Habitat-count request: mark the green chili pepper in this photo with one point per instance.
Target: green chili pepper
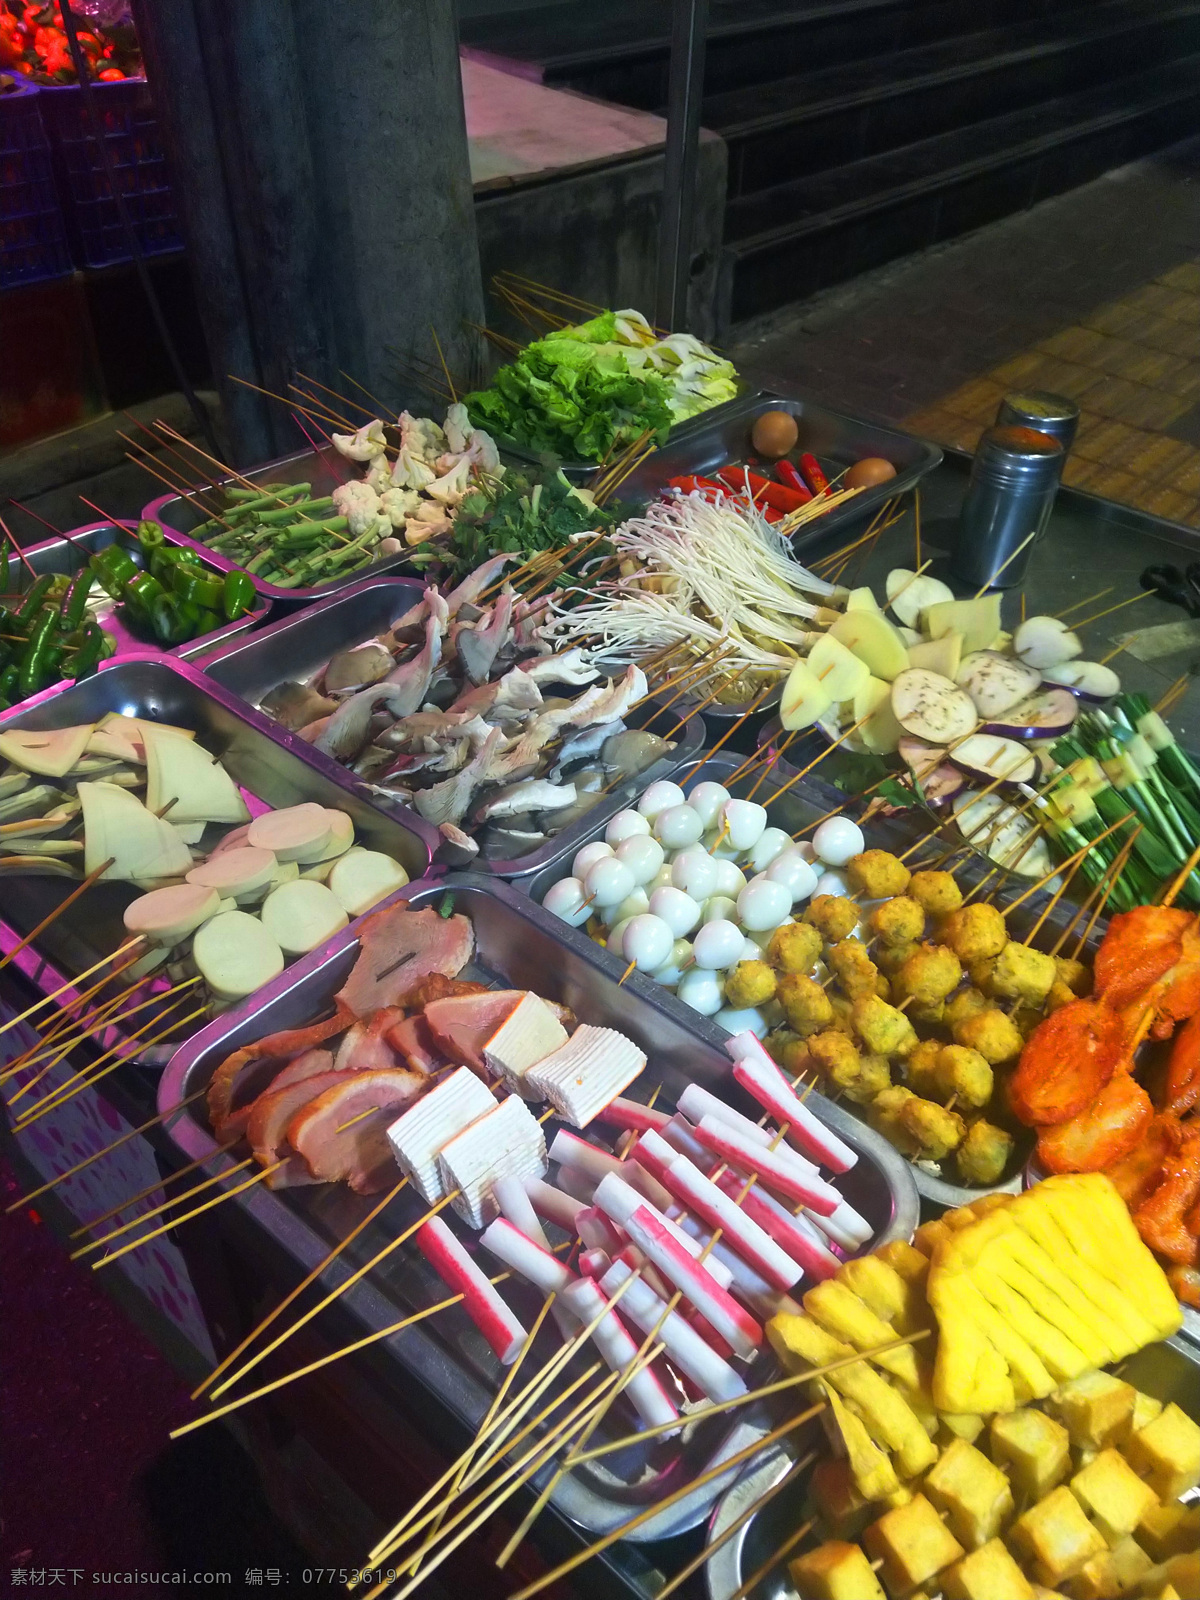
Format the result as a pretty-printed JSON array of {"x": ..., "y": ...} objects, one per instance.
[
  {"x": 75, "y": 605},
  {"x": 87, "y": 658},
  {"x": 33, "y": 665},
  {"x": 141, "y": 592},
  {"x": 209, "y": 622},
  {"x": 34, "y": 600},
  {"x": 166, "y": 615},
  {"x": 163, "y": 562},
  {"x": 197, "y": 587},
  {"x": 114, "y": 567},
  {"x": 237, "y": 595},
  {"x": 150, "y": 535}
]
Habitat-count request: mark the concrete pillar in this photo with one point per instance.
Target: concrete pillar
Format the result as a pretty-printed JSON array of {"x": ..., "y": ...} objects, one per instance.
[{"x": 321, "y": 152}]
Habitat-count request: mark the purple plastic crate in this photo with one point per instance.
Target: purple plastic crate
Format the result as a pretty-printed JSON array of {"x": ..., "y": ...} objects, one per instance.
[
  {"x": 139, "y": 162},
  {"x": 33, "y": 238}
]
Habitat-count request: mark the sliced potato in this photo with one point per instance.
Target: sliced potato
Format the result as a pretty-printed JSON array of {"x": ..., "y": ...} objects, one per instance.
[
  {"x": 932, "y": 707},
  {"x": 293, "y": 832},
  {"x": 362, "y": 878},
  {"x": 302, "y": 915},
  {"x": 841, "y": 672},
  {"x": 942, "y": 655},
  {"x": 165, "y": 916},
  {"x": 235, "y": 872},
  {"x": 909, "y": 594},
  {"x": 873, "y": 639},
  {"x": 804, "y": 700},
  {"x": 862, "y": 599},
  {"x": 52, "y": 752},
  {"x": 881, "y": 733},
  {"x": 236, "y": 955},
  {"x": 182, "y": 771},
  {"x": 977, "y": 620}
]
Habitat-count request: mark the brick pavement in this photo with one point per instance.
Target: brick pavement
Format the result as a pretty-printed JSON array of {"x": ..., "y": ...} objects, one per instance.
[{"x": 1095, "y": 294}]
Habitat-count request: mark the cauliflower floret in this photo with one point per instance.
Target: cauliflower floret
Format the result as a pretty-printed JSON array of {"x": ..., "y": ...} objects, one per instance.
[
  {"x": 379, "y": 474},
  {"x": 363, "y": 445},
  {"x": 420, "y": 436},
  {"x": 481, "y": 448},
  {"x": 398, "y": 505},
  {"x": 457, "y": 427},
  {"x": 427, "y": 522},
  {"x": 358, "y": 503},
  {"x": 410, "y": 472},
  {"x": 450, "y": 489}
]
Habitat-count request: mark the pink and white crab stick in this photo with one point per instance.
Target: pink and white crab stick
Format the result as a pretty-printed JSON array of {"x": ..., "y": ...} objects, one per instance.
[
  {"x": 684, "y": 1346},
  {"x": 630, "y": 1116},
  {"x": 483, "y": 1305},
  {"x": 653, "y": 1236},
  {"x": 732, "y": 1145},
  {"x": 650, "y": 1400},
  {"x": 758, "y": 1075}
]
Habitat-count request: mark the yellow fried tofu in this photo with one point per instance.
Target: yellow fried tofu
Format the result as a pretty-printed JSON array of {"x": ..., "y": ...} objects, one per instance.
[
  {"x": 1056, "y": 1537},
  {"x": 1035, "y": 1449},
  {"x": 931, "y": 1234},
  {"x": 914, "y": 1545},
  {"x": 1166, "y": 1453},
  {"x": 897, "y": 1300},
  {"x": 1145, "y": 1409},
  {"x": 953, "y": 1425},
  {"x": 1061, "y": 1356},
  {"x": 1113, "y": 1495},
  {"x": 1170, "y": 1529},
  {"x": 840, "y": 1312},
  {"x": 972, "y": 1492},
  {"x": 1181, "y": 1573},
  {"x": 872, "y": 1467},
  {"x": 1024, "y": 1264},
  {"x": 835, "y": 1497},
  {"x": 1096, "y": 1409},
  {"x": 1116, "y": 1573},
  {"x": 988, "y": 1573},
  {"x": 911, "y": 1263},
  {"x": 835, "y": 1571}
]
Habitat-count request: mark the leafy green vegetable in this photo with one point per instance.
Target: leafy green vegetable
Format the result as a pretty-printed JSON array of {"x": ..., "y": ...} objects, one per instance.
[
  {"x": 901, "y": 792},
  {"x": 853, "y": 773}
]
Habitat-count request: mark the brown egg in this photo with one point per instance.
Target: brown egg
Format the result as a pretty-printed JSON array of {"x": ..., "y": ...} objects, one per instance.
[
  {"x": 774, "y": 434},
  {"x": 869, "y": 471}
]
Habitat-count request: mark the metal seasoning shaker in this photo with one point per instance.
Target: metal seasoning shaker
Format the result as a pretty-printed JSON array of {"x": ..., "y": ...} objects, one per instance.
[
  {"x": 1014, "y": 479},
  {"x": 1047, "y": 413}
]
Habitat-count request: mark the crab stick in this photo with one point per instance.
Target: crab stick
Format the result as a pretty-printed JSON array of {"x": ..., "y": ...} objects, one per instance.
[
  {"x": 789, "y": 1232},
  {"x": 553, "y": 1205},
  {"x": 654, "y": 1237},
  {"x": 631, "y": 1116},
  {"x": 701, "y": 1104},
  {"x": 685, "y": 1348},
  {"x": 578, "y": 1184},
  {"x": 635, "y": 1260},
  {"x": 681, "y": 1135},
  {"x": 594, "y": 1263},
  {"x": 845, "y": 1227},
  {"x": 483, "y": 1305},
  {"x": 650, "y": 1400},
  {"x": 705, "y": 1199},
  {"x": 618, "y": 1202},
  {"x": 759, "y": 1076},
  {"x": 544, "y": 1270},
  {"x": 510, "y": 1195},
  {"x": 569, "y": 1150},
  {"x": 733, "y": 1146},
  {"x": 597, "y": 1232}
]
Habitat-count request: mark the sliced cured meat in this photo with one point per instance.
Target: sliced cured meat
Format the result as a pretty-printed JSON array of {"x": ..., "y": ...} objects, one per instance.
[
  {"x": 399, "y": 947},
  {"x": 437, "y": 986},
  {"x": 306, "y": 1065},
  {"x": 267, "y": 1127},
  {"x": 415, "y": 1044},
  {"x": 342, "y": 1134},
  {"x": 462, "y": 1026},
  {"x": 365, "y": 1047},
  {"x": 242, "y": 1076}
]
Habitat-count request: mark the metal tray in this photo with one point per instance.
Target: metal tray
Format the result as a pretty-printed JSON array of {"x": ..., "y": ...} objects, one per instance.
[
  {"x": 299, "y": 644},
  {"x": 1168, "y": 1371},
  {"x": 523, "y": 946},
  {"x": 64, "y": 555},
  {"x": 179, "y": 514},
  {"x": 723, "y": 435},
  {"x": 158, "y": 687}
]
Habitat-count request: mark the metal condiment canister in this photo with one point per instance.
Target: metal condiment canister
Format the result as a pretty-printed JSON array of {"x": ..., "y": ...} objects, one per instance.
[
  {"x": 1014, "y": 479},
  {"x": 1038, "y": 408}
]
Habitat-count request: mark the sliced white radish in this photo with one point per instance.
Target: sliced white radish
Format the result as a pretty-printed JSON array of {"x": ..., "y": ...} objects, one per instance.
[
  {"x": 293, "y": 832},
  {"x": 977, "y": 620},
  {"x": 838, "y": 669},
  {"x": 118, "y": 826},
  {"x": 1043, "y": 642},
  {"x": 990, "y": 757},
  {"x": 299, "y": 916},
  {"x": 236, "y": 955},
  {"x": 184, "y": 774},
  {"x": 804, "y": 700},
  {"x": 932, "y": 707},
  {"x": 995, "y": 682},
  {"x": 1046, "y": 715},
  {"x": 362, "y": 878},
  {"x": 910, "y": 595},
  {"x": 165, "y": 916},
  {"x": 873, "y": 639},
  {"x": 1091, "y": 679},
  {"x": 52, "y": 752},
  {"x": 942, "y": 655},
  {"x": 862, "y": 599},
  {"x": 880, "y": 733},
  {"x": 235, "y": 872}
]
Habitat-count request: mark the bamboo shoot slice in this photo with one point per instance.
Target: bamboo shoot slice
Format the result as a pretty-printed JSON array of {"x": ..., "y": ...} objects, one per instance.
[
  {"x": 362, "y": 878},
  {"x": 116, "y": 743},
  {"x": 117, "y": 824},
  {"x": 302, "y": 915},
  {"x": 182, "y": 771},
  {"x": 52, "y": 752},
  {"x": 293, "y": 832},
  {"x": 235, "y": 872},
  {"x": 880, "y": 733},
  {"x": 133, "y": 727},
  {"x": 943, "y": 656},
  {"x": 165, "y": 916},
  {"x": 977, "y": 620},
  {"x": 236, "y": 955}
]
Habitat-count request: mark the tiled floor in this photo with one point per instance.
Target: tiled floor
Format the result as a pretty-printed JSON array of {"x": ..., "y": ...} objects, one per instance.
[{"x": 1095, "y": 295}]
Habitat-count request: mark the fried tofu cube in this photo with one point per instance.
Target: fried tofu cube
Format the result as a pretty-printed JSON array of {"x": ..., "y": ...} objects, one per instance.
[
  {"x": 844, "y": 1513},
  {"x": 835, "y": 1571},
  {"x": 910, "y": 1263},
  {"x": 1116, "y": 1573},
  {"x": 1169, "y": 1530},
  {"x": 1166, "y": 1452},
  {"x": 1113, "y": 1495},
  {"x": 931, "y": 1234},
  {"x": 1034, "y": 1448},
  {"x": 872, "y": 1467},
  {"x": 898, "y": 1300},
  {"x": 988, "y": 1573},
  {"x": 913, "y": 1544},
  {"x": 1180, "y": 1573},
  {"x": 1096, "y": 1408},
  {"x": 1145, "y": 1409},
  {"x": 953, "y": 1425},
  {"x": 972, "y": 1492},
  {"x": 1056, "y": 1537}
]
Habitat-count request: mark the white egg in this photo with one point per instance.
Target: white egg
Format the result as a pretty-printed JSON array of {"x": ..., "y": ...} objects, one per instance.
[
  {"x": 796, "y": 875},
  {"x": 804, "y": 848},
  {"x": 707, "y": 799},
  {"x": 701, "y": 989},
  {"x": 724, "y": 850},
  {"x": 678, "y": 910},
  {"x": 836, "y": 840},
  {"x": 695, "y": 872},
  {"x": 718, "y": 944},
  {"x": 677, "y": 827},
  {"x": 741, "y": 1021},
  {"x": 648, "y": 941},
  {"x": 751, "y": 951},
  {"x": 731, "y": 879},
  {"x": 676, "y": 964},
  {"x": 832, "y": 883},
  {"x": 658, "y": 797},
  {"x": 763, "y": 936},
  {"x": 642, "y": 855},
  {"x": 719, "y": 908},
  {"x": 615, "y": 940},
  {"x": 564, "y": 900},
  {"x": 625, "y": 825},
  {"x": 633, "y": 905},
  {"x": 772, "y": 842},
  {"x": 587, "y": 858},
  {"x": 609, "y": 881},
  {"x": 662, "y": 879},
  {"x": 745, "y": 820},
  {"x": 762, "y": 905}
]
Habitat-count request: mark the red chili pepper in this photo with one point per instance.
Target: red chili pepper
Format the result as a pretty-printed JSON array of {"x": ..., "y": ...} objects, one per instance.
[
  {"x": 776, "y": 495},
  {"x": 813, "y": 475},
  {"x": 787, "y": 473}
]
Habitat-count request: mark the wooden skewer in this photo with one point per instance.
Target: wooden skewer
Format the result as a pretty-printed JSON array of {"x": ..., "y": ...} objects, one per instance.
[
  {"x": 736, "y": 1526},
  {"x": 151, "y": 1188},
  {"x": 185, "y": 494},
  {"x": 697, "y": 708},
  {"x": 62, "y": 989},
  {"x": 769, "y": 766},
  {"x": 1099, "y": 595},
  {"x": 785, "y": 1549},
  {"x": 147, "y": 1216},
  {"x": 188, "y": 466},
  {"x": 626, "y": 973},
  {"x": 1120, "y": 605},
  {"x": 326, "y": 409},
  {"x": 1176, "y": 688},
  {"x": 57, "y": 912},
  {"x": 1062, "y": 866},
  {"x": 1181, "y": 878},
  {"x": 337, "y": 395},
  {"x": 228, "y": 471},
  {"x": 12, "y": 539},
  {"x": 1022, "y": 605},
  {"x": 1116, "y": 650},
  {"x": 177, "y": 1222},
  {"x": 816, "y": 761},
  {"x": 908, "y": 582},
  {"x": 1108, "y": 883},
  {"x": 1007, "y": 562},
  {"x": 742, "y": 720}
]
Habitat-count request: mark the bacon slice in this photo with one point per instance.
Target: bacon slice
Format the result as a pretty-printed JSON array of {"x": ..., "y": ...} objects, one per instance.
[
  {"x": 437, "y": 986},
  {"x": 413, "y": 1041},
  {"x": 366, "y": 1047},
  {"x": 268, "y": 1125},
  {"x": 462, "y": 1025},
  {"x": 241, "y": 1077},
  {"x": 399, "y": 947},
  {"x": 358, "y": 1153}
]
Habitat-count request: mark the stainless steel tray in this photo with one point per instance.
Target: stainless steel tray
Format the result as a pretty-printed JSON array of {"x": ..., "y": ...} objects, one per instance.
[
  {"x": 837, "y": 441},
  {"x": 1168, "y": 1371},
  {"x": 64, "y": 554},
  {"x": 523, "y": 946},
  {"x": 297, "y": 645},
  {"x": 179, "y": 514},
  {"x": 158, "y": 687}
]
